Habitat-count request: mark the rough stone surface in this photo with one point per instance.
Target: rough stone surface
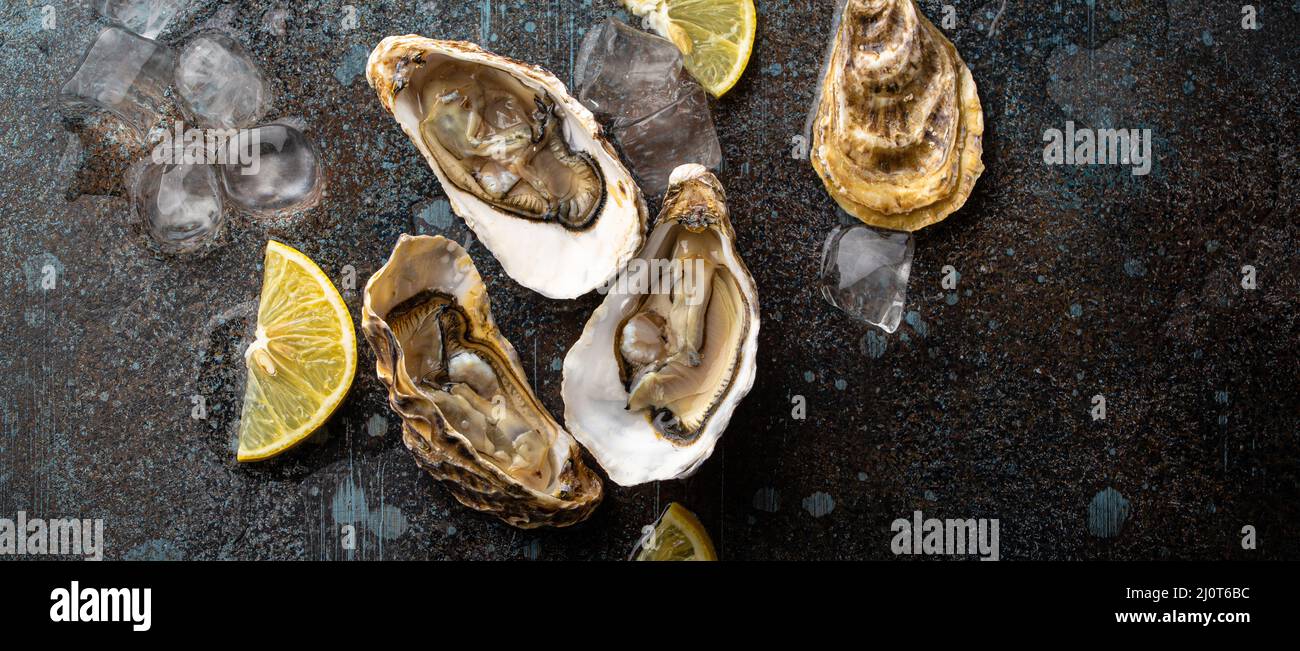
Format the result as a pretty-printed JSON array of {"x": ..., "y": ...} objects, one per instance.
[{"x": 1074, "y": 282}]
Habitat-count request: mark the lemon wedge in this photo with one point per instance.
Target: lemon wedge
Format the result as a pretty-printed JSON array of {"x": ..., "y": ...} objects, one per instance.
[
  {"x": 715, "y": 36},
  {"x": 303, "y": 360},
  {"x": 678, "y": 536}
]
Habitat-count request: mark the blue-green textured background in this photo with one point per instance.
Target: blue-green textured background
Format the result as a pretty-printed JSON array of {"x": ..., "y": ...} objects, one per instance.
[{"x": 1075, "y": 281}]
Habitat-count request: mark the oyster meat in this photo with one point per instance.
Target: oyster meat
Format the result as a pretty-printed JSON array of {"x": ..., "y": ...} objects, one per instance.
[
  {"x": 468, "y": 414},
  {"x": 898, "y": 129},
  {"x": 663, "y": 362},
  {"x": 523, "y": 162}
]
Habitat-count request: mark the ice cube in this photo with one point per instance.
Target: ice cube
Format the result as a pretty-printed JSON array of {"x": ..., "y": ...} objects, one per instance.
[
  {"x": 219, "y": 84},
  {"x": 625, "y": 74},
  {"x": 864, "y": 273},
  {"x": 634, "y": 82},
  {"x": 278, "y": 171},
  {"x": 680, "y": 133},
  {"x": 126, "y": 75},
  {"x": 148, "y": 18},
  {"x": 180, "y": 205}
]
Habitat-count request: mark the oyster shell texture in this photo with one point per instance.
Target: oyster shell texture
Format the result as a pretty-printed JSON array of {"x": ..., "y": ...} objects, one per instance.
[
  {"x": 521, "y": 161},
  {"x": 897, "y": 134},
  {"x": 468, "y": 414},
  {"x": 663, "y": 362}
]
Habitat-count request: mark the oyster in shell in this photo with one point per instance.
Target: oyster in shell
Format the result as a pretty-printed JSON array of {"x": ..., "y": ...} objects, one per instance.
[
  {"x": 663, "y": 362},
  {"x": 897, "y": 133},
  {"x": 468, "y": 413},
  {"x": 523, "y": 162}
]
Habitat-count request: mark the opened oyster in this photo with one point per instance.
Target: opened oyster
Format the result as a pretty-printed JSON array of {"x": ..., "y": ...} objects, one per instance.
[
  {"x": 897, "y": 134},
  {"x": 522, "y": 161},
  {"x": 468, "y": 413},
  {"x": 663, "y": 362}
]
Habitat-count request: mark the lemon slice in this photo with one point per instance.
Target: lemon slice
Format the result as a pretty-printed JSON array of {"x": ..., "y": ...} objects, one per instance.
[
  {"x": 715, "y": 36},
  {"x": 303, "y": 360},
  {"x": 679, "y": 536}
]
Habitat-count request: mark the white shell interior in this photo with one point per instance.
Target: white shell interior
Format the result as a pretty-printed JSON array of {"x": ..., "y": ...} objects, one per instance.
[
  {"x": 624, "y": 442},
  {"x": 545, "y": 257}
]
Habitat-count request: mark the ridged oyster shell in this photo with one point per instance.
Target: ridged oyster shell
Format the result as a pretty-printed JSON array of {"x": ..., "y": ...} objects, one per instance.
[
  {"x": 468, "y": 414},
  {"x": 897, "y": 137}
]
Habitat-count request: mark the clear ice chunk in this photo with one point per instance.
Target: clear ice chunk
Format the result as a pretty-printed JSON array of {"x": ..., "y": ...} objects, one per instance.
[
  {"x": 180, "y": 205},
  {"x": 864, "y": 273},
  {"x": 126, "y": 75},
  {"x": 278, "y": 171},
  {"x": 220, "y": 86},
  {"x": 634, "y": 82},
  {"x": 148, "y": 18},
  {"x": 678, "y": 134},
  {"x": 625, "y": 73}
]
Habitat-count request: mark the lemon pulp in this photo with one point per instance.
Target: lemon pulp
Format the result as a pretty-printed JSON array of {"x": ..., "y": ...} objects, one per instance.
[
  {"x": 303, "y": 359},
  {"x": 716, "y": 37},
  {"x": 679, "y": 536}
]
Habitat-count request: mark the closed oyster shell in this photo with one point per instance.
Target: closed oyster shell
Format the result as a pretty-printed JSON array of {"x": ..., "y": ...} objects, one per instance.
[
  {"x": 897, "y": 137},
  {"x": 651, "y": 384},
  {"x": 468, "y": 414},
  {"x": 485, "y": 123}
]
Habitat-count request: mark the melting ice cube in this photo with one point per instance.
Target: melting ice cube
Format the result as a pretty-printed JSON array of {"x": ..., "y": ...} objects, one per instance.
[
  {"x": 180, "y": 205},
  {"x": 219, "y": 84},
  {"x": 681, "y": 132},
  {"x": 864, "y": 273},
  {"x": 279, "y": 171},
  {"x": 148, "y": 18},
  {"x": 659, "y": 116},
  {"x": 126, "y": 75},
  {"x": 627, "y": 74}
]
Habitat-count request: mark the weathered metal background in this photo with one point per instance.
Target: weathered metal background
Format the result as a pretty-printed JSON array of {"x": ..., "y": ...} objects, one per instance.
[{"x": 1075, "y": 281}]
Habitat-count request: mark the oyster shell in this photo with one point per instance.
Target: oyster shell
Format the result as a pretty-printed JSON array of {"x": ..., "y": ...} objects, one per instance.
[
  {"x": 523, "y": 162},
  {"x": 663, "y": 362},
  {"x": 468, "y": 413},
  {"x": 897, "y": 133}
]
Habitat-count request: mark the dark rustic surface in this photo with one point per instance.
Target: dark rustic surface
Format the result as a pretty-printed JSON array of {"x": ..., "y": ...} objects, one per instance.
[{"x": 1075, "y": 281}]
